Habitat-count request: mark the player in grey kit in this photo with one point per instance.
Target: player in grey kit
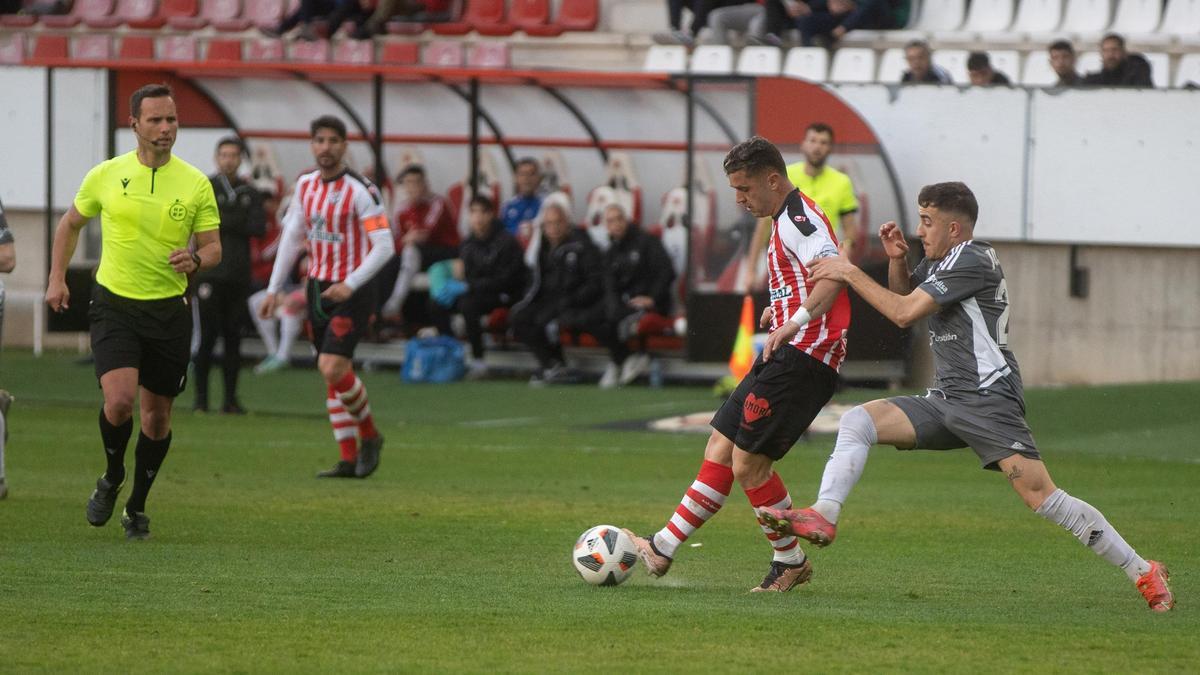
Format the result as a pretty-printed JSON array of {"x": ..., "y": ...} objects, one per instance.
[{"x": 977, "y": 400}]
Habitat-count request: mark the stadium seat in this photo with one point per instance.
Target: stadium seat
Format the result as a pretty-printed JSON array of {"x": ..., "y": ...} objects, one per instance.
[
  {"x": 808, "y": 63},
  {"x": 224, "y": 50},
  {"x": 759, "y": 61},
  {"x": 309, "y": 51},
  {"x": 82, "y": 10},
  {"x": 1007, "y": 62},
  {"x": 211, "y": 12},
  {"x": 136, "y": 13},
  {"x": 92, "y": 47},
  {"x": 853, "y": 64},
  {"x": 892, "y": 66},
  {"x": 257, "y": 14},
  {"x": 400, "y": 53},
  {"x": 136, "y": 48},
  {"x": 941, "y": 15},
  {"x": 665, "y": 59},
  {"x": 12, "y": 49},
  {"x": 50, "y": 47},
  {"x": 1136, "y": 17},
  {"x": 354, "y": 51},
  {"x": 177, "y": 48},
  {"x": 1088, "y": 62},
  {"x": 712, "y": 60},
  {"x": 406, "y": 27},
  {"x": 488, "y": 55},
  {"x": 1086, "y": 18},
  {"x": 264, "y": 49},
  {"x": 1037, "y": 71},
  {"x": 442, "y": 53},
  {"x": 18, "y": 20},
  {"x": 1038, "y": 16},
  {"x": 1188, "y": 72},
  {"x": 167, "y": 9},
  {"x": 480, "y": 16},
  {"x": 529, "y": 14},
  {"x": 578, "y": 15},
  {"x": 1160, "y": 69},
  {"x": 954, "y": 61},
  {"x": 983, "y": 16},
  {"x": 1182, "y": 17}
]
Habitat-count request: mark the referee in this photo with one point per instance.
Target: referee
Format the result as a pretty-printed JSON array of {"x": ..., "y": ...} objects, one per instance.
[{"x": 150, "y": 204}]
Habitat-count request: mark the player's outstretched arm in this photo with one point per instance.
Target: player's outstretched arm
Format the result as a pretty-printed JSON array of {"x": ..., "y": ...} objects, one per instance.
[
  {"x": 66, "y": 236},
  {"x": 902, "y": 310}
]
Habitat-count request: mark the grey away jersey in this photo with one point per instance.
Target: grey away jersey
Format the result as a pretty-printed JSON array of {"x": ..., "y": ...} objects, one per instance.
[
  {"x": 969, "y": 334},
  {"x": 5, "y": 233}
]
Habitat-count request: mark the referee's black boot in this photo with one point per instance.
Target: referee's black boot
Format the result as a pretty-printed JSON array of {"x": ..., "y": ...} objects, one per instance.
[
  {"x": 136, "y": 524},
  {"x": 342, "y": 469},
  {"x": 102, "y": 502}
]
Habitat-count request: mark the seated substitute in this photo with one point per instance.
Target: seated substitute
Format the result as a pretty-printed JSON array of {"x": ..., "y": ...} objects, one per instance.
[{"x": 425, "y": 233}]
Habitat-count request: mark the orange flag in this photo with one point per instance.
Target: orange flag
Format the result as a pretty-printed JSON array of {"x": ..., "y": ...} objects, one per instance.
[{"x": 742, "y": 358}]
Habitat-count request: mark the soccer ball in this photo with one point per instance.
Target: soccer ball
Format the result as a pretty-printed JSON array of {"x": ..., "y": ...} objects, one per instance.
[{"x": 604, "y": 556}]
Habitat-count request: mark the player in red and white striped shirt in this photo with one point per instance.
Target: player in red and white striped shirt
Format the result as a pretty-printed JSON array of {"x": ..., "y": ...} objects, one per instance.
[
  {"x": 343, "y": 219},
  {"x": 775, "y": 403}
]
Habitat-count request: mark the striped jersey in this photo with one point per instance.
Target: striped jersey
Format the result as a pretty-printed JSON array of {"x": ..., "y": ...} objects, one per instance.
[
  {"x": 336, "y": 215},
  {"x": 801, "y": 233},
  {"x": 969, "y": 333}
]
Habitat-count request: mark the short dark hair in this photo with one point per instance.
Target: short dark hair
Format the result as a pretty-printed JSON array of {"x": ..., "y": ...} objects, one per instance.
[
  {"x": 755, "y": 155},
  {"x": 234, "y": 141},
  {"x": 527, "y": 160},
  {"x": 917, "y": 43},
  {"x": 1062, "y": 46},
  {"x": 820, "y": 128},
  {"x": 978, "y": 61},
  {"x": 145, "y": 92},
  {"x": 954, "y": 197},
  {"x": 484, "y": 202},
  {"x": 411, "y": 169},
  {"x": 1113, "y": 36},
  {"x": 331, "y": 122}
]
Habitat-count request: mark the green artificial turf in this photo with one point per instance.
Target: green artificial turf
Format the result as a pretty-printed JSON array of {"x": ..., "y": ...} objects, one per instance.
[{"x": 455, "y": 556}]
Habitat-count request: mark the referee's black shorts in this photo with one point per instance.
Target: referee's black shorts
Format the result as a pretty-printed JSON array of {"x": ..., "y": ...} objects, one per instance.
[
  {"x": 154, "y": 336},
  {"x": 337, "y": 327},
  {"x": 774, "y": 404}
]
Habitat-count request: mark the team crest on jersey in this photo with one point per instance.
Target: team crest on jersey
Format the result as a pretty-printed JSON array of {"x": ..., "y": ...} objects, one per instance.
[
  {"x": 781, "y": 293},
  {"x": 178, "y": 211},
  {"x": 800, "y": 219},
  {"x": 335, "y": 198}
]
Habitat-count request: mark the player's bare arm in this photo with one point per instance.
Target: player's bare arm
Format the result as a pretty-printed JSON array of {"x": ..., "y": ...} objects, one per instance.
[
  {"x": 823, "y": 294},
  {"x": 207, "y": 255},
  {"x": 66, "y": 236},
  {"x": 896, "y": 249},
  {"x": 8, "y": 257},
  {"x": 902, "y": 310}
]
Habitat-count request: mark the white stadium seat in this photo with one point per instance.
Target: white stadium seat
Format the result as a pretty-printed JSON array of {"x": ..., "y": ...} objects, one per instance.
[
  {"x": 852, "y": 65},
  {"x": 1137, "y": 16},
  {"x": 1038, "y": 16},
  {"x": 1007, "y": 62},
  {"x": 1037, "y": 71},
  {"x": 892, "y": 66},
  {"x": 987, "y": 16},
  {"x": 955, "y": 63},
  {"x": 1088, "y": 62},
  {"x": 712, "y": 60},
  {"x": 665, "y": 59},
  {"x": 1188, "y": 71},
  {"x": 1160, "y": 69},
  {"x": 809, "y": 63},
  {"x": 1087, "y": 17},
  {"x": 1182, "y": 17},
  {"x": 941, "y": 15},
  {"x": 759, "y": 61}
]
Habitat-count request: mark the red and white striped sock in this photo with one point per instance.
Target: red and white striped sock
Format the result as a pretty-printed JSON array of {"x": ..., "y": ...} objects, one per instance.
[
  {"x": 353, "y": 394},
  {"x": 701, "y": 502},
  {"x": 774, "y": 494},
  {"x": 344, "y": 426}
]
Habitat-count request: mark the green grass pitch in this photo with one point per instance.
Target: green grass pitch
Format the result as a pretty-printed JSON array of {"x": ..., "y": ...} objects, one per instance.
[{"x": 455, "y": 555}]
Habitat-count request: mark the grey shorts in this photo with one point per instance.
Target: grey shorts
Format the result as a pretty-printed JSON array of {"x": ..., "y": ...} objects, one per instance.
[{"x": 993, "y": 426}]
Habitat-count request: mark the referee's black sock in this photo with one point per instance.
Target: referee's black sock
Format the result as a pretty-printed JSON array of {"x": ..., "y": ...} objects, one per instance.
[
  {"x": 149, "y": 456},
  {"x": 116, "y": 439}
]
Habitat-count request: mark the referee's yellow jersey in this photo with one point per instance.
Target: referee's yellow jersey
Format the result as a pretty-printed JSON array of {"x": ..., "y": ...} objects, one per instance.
[
  {"x": 144, "y": 215},
  {"x": 831, "y": 190}
]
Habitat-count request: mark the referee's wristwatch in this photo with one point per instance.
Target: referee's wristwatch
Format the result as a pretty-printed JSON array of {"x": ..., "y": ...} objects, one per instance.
[{"x": 196, "y": 259}]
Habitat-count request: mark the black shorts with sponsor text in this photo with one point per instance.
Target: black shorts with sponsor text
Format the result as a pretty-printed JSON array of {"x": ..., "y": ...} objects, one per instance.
[
  {"x": 774, "y": 404},
  {"x": 153, "y": 336},
  {"x": 337, "y": 327}
]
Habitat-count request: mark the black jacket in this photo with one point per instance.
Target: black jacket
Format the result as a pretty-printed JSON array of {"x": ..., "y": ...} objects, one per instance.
[
  {"x": 494, "y": 264},
  {"x": 1134, "y": 71},
  {"x": 568, "y": 274},
  {"x": 638, "y": 265},
  {"x": 242, "y": 217}
]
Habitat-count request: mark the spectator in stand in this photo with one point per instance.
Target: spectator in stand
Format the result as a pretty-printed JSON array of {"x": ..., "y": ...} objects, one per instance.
[
  {"x": 921, "y": 69},
  {"x": 519, "y": 212},
  {"x": 637, "y": 279},
  {"x": 747, "y": 19},
  {"x": 828, "y": 20},
  {"x": 416, "y": 11},
  {"x": 333, "y": 12},
  {"x": 701, "y": 9},
  {"x": 221, "y": 291},
  {"x": 831, "y": 189},
  {"x": 979, "y": 69},
  {"x": 565, "y": 279},
  {"x": 425, "y": 233},
  {"x": 492, "y": 273},
  {"x": 1062, "y": 60},
  {"x": 1118, "y": 67}
]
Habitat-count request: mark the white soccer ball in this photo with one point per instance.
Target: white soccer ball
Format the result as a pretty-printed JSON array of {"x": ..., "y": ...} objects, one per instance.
[{"x": 604, "y": 556}]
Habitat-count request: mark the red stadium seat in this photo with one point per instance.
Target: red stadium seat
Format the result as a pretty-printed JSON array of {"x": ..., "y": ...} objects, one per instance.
[
  {"x": 211, "y": 12},
  {"x": 400, "y": 53},
  {"x": 525, "y": 14},
  {"x": 265, "y": 49},
  {"x": 93, "y": 47},
  {"x": 304, "y": 51},
  {"x": 354, "y": 51},
  {"x": 177, "y": 48},
  {"x": 18, "y": 20},
  {"x": 259, "y": 13},
  {"x": 167, "y": 9},
  {"x": 480, "y": 15},
  {"x": 12, "y": 49},
  {"x": 136, "y": 47},
  {"x": 406, "y": 28},
  {"x": 137, "y": 13},
  {"x": 82, "y": 10},
  {"x": 449, "y": 54},
  {"x": 50, "y": 47},
  {"x": 224, "y": 50},
  {"x": 578, "y": 15}
]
